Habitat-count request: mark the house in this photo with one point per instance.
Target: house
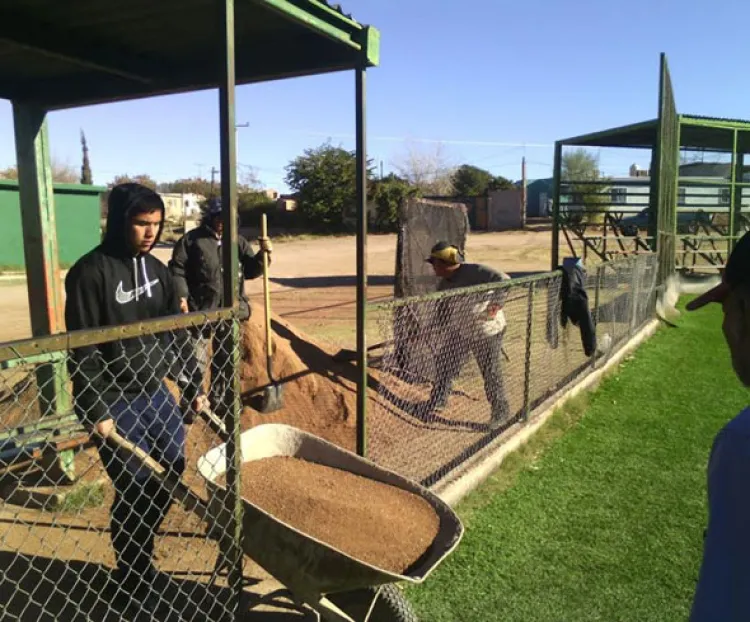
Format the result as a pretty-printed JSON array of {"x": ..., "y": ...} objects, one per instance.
[
  {"x": 539, "y": 197},
  {"x": 701, "y": 188},
  {"x": 180, "y": 206},
  {"x": 286, "y": 202}
]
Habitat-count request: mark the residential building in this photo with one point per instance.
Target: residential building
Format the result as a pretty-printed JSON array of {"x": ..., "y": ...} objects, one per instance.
[{"x": 180, "y": 206}]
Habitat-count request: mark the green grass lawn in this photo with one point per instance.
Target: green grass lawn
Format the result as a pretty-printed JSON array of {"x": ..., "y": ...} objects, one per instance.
[{"x": 601, "y": 515}]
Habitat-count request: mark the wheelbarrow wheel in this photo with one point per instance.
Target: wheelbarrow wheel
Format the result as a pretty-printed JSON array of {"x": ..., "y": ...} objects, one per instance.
[{"x": 391, "y": 605}]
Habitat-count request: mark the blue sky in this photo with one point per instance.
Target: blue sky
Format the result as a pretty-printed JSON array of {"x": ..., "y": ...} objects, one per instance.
[{"x": 493, "y": 81}]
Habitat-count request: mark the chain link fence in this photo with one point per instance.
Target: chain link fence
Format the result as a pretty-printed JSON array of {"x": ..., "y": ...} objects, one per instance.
[
  {"x": 88, "y": 532},
  {"x": 455, "y": 374}
]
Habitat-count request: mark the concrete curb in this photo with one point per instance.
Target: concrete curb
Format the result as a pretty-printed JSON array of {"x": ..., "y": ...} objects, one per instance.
[{"x": 477, "y": 469}]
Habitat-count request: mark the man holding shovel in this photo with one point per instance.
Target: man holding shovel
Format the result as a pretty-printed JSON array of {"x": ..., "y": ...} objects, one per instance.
[
  {"x": 196, "y": 266},
  {"x": 119, "y": 386},
  {"x": 479, "y": 332}
]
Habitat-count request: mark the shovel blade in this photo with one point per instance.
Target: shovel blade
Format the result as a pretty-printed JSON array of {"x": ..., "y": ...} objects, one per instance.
[{"x": 271, "y": 399}]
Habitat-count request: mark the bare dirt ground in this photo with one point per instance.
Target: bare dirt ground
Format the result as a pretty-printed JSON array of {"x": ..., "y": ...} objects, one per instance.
[
  {"x": 46, "y": 557},
  {"x": 313, "y": 281}
]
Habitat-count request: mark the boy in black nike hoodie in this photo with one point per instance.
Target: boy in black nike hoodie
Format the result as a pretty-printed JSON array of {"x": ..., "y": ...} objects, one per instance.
[{"x": 120, "y": 385}]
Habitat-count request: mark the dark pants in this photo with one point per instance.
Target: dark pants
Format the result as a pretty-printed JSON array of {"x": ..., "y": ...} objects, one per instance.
[
  {"x": 453, "y": 355},
  {"x": 154, "y": 423},
  {"x": 218, "y": 361}
]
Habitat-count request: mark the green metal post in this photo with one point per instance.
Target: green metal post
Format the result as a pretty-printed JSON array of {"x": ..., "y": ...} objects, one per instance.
[
  {"x": 361, "y": 174},
  {"x": 41, "y": 255},
  {"x": 230, "y": 267},
  {"x": 735, "y": 195},
  {"x": 556, "y": 206}
]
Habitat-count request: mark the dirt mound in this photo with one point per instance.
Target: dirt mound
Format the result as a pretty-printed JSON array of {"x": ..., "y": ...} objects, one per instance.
[{"x": 318, "y": 394}]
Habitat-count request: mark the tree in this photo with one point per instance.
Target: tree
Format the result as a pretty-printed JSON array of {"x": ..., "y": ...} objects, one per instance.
[
  {"x": 585, "y": 183},
  {"x": 324, "y": 179},
  {"x": 143, "y": 179},
  {"x": 387, "y": 195},
  {"x": 427, "y": 169},
  {"x": 470, "y": 181},
  {"x": 192, "y": 185},
  {"x": 62, "y": 172},
  {"x": 86, "y": 177}
]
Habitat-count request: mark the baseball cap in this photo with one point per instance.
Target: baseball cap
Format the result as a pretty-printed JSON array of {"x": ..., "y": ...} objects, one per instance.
[
  {"x": 213, "y": 207},
  {"x": 445, "y": 252},
  {"x": 736, "y": 272}
]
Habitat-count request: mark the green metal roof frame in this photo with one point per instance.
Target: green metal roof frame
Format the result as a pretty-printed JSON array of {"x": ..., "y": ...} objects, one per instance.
[
  {"x": 66, "y": 54},
  {"x": 696, "y": 132}
]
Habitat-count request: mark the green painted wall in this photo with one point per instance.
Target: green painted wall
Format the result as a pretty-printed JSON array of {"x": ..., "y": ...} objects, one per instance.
[{"x": 76, "y": 214}]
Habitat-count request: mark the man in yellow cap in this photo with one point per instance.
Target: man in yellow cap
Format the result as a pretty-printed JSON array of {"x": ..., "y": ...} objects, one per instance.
[{"x": 479, "y": 332}]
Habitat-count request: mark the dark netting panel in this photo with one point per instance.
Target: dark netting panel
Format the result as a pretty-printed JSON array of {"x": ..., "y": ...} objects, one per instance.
[{"x": 421, "y": 224}]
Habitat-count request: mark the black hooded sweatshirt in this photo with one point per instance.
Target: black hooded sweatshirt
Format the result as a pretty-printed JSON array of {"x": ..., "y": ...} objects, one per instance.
[{"x": 111, "y": 286}]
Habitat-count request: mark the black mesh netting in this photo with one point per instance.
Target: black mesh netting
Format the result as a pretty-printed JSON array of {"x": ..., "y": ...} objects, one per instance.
[{"x": 421, "y": 224}]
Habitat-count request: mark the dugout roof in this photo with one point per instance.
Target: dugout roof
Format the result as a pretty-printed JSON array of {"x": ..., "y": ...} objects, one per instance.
[
  {"x": 64, "y": 54},
  {"x": 696, "y": 132}
]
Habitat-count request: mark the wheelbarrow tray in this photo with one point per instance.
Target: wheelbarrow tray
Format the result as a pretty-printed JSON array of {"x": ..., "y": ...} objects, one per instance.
[{"x": 307, "y": 566}]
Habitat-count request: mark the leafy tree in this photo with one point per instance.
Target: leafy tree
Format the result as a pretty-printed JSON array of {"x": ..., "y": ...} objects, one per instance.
[
  {"x": 143, "y": 179},
  {"x": 324, "y": 179},
  {"x": 469, "y": 181},
  {"x": 192, "y": 185},
  {"x": 387, "y": 195},
  {"x": 62, "y": 172},
  {"x": 585, "y": 183}
]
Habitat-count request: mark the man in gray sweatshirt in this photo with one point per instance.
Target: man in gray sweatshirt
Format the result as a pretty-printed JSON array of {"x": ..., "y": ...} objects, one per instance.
[{"x": 472, "y": 324}]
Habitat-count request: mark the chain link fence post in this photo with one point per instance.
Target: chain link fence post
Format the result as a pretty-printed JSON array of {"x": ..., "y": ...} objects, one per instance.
[
  {"x": 529, "y": 342},
  {"x": 597, "y": 303}
]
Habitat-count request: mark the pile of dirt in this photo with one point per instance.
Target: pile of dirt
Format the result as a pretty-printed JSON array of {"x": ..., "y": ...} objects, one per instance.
[
  {"x": 319, "y": 394},
  {"x": 380, "y": 524}
]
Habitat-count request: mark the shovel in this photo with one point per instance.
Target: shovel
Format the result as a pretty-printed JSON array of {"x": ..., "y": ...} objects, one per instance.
[{"x": 271, "y": 399}]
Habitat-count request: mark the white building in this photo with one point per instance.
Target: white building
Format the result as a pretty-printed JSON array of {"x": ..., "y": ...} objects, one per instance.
[{"x": 181, "y": 206}]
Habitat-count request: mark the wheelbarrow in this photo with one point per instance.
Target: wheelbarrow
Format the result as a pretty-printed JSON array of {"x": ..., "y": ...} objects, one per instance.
[{"x": 314, "y": 573}]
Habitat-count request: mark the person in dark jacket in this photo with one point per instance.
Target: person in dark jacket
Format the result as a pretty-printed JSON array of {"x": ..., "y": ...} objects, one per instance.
[
  {"x": 120, "y": 385},
  {"x": 479, "y": 332},
  {"x": 196, "y": 266}
]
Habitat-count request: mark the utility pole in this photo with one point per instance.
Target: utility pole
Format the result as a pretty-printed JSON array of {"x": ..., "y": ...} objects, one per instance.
[
  {"x": 523, "y": 191},
  {"x": 214, "y": 171},
  {"x": 381, "y": 169}
]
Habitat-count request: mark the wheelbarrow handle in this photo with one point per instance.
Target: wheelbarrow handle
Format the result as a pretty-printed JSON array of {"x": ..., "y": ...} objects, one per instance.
[{"x": 181, "y": 492}]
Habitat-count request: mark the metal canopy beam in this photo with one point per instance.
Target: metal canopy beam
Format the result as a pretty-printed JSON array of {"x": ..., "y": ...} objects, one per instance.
[
  {"x": 636, "y": 135},
  {"x": 252, "y": 59},
  {"x": 24, "y": 31}
]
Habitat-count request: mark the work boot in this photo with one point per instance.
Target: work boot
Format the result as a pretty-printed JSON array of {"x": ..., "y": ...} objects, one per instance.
[
  {"x": 434, "y": 405},
  {"x": 499, "y": 416}
]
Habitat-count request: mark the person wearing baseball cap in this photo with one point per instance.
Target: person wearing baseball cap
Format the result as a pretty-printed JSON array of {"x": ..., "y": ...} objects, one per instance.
[
  {"x": 723, "y": 589},
  {"x": 480, "y": 332}
]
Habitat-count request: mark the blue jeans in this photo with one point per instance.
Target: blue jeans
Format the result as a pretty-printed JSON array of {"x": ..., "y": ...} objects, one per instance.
[{"x": 154, "y": 423}]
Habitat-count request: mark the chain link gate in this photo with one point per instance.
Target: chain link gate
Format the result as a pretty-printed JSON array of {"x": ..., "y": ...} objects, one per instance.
[
  {"x": 68, "y": 498},
  {"x": 451, "y": 379}
]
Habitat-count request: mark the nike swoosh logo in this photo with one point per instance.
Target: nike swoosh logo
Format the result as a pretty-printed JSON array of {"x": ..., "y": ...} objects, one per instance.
[{"x": 124, "y": 297}]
